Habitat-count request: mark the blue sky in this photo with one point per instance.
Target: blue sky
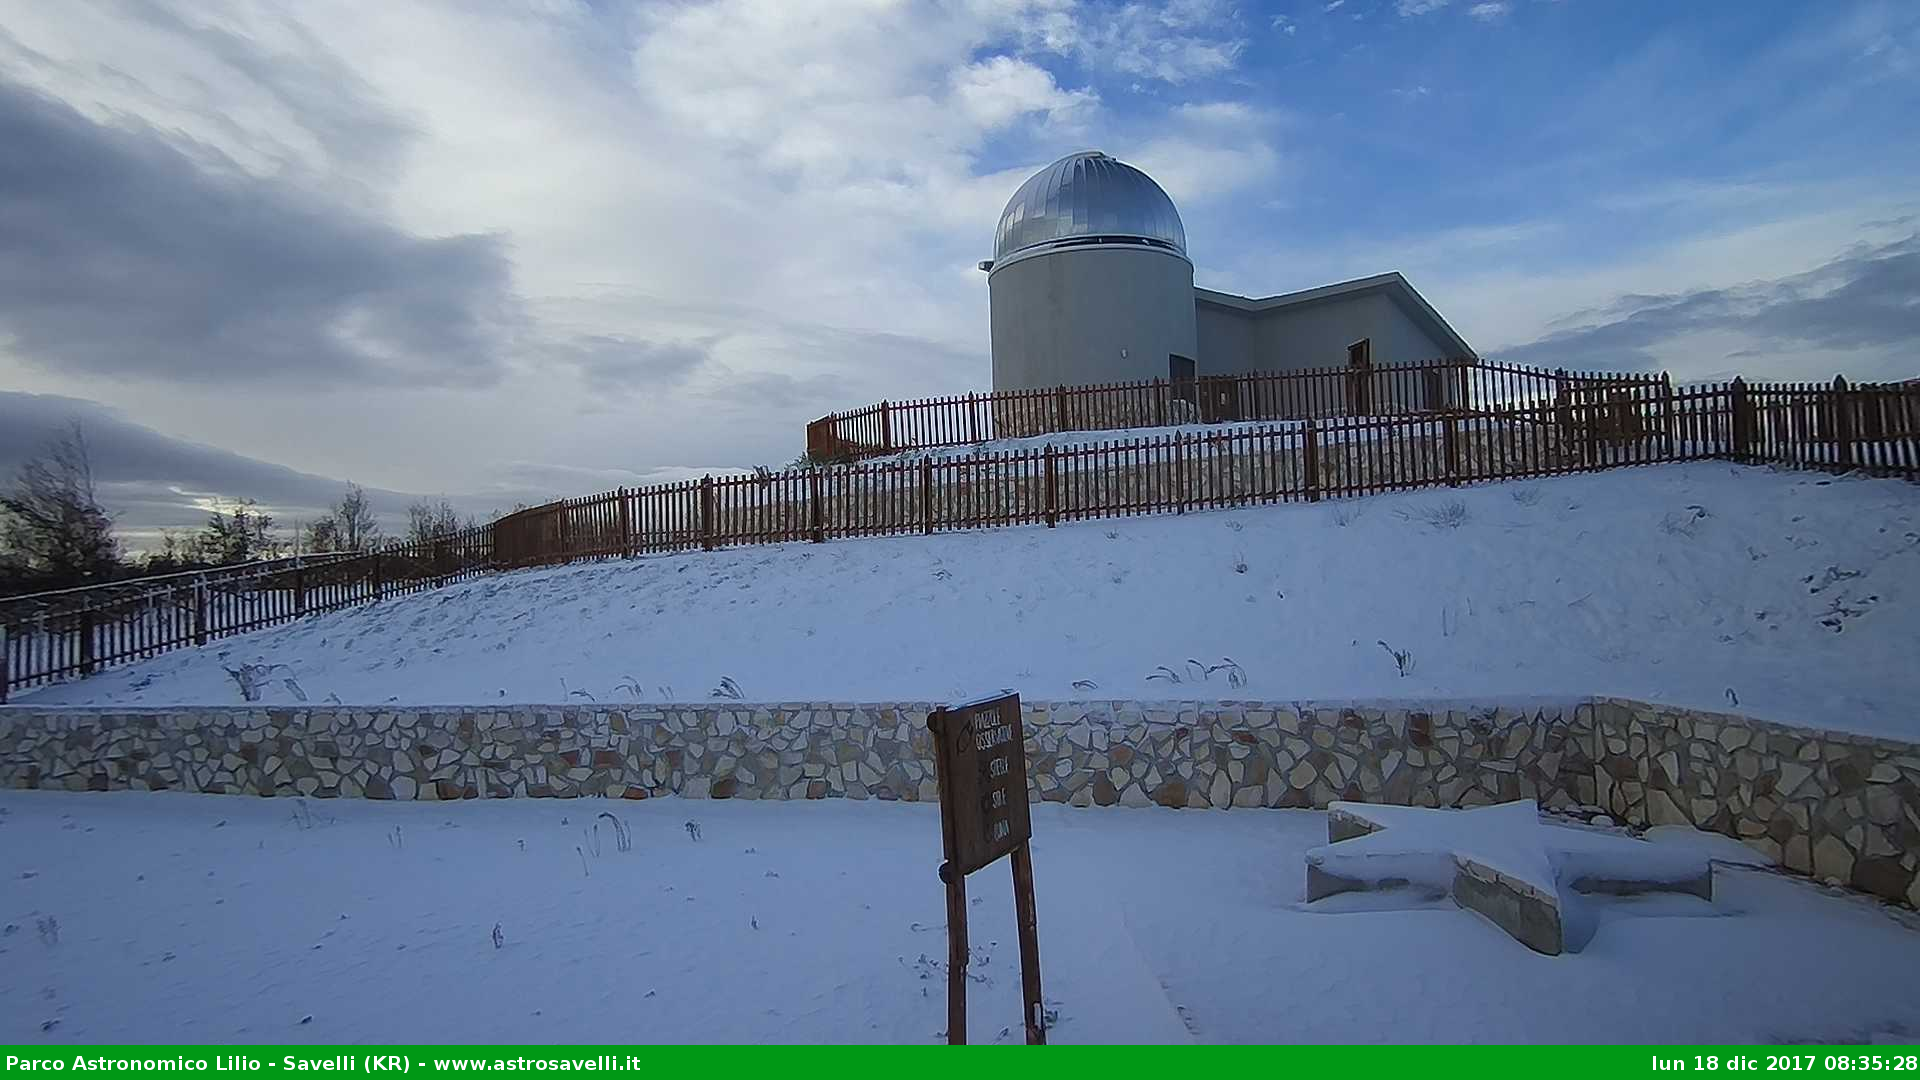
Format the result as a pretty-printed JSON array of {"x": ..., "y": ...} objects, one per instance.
[
  {"x": 1607, "y": 129},
  {"x": 520, "y": 249}
]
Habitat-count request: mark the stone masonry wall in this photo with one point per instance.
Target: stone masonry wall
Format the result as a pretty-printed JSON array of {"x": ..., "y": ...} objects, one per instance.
[{"x": 1836, "y": 806}]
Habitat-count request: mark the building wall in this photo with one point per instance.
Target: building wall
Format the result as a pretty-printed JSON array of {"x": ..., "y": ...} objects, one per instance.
[
  {"x": 1063, "y": 318},
  {"x": 1316, "y": 336},
  {"x": 1835, "y": 806},
  {"x": 1226, "y": 341}
]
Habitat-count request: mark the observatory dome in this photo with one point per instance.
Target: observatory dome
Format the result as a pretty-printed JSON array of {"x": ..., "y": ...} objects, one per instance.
[{"x": 1088, "y": 198}]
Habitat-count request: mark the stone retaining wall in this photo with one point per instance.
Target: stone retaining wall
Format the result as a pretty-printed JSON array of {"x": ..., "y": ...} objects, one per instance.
[{"x": 1832, "y": 805}]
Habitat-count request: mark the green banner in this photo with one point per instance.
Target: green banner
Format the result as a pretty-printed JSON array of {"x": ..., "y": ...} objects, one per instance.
[{"x": 783, "y": 1062}]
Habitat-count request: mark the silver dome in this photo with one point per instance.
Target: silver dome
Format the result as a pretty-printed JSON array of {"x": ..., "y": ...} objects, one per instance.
[{"x": 1088, "y": 195}]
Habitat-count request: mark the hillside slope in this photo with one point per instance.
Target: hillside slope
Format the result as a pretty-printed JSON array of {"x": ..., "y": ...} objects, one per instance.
[{"x": 1791, "y": 596}]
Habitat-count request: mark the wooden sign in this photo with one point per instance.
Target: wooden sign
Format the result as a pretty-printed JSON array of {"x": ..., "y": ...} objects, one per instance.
[
  {"x": 981, "y": 762},
  {"x": 980, "y": 759}
]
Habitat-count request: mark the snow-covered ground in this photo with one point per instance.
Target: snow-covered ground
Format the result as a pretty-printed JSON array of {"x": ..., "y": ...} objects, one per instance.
[
  {"x": 1786, "y": 595},
  {"x": 134, "y": 917}
]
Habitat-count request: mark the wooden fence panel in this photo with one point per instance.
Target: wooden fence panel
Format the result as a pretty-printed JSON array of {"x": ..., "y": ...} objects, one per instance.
[
  {"x": 1382, "y": 390},
  {"x": 1530, "y": 424}
]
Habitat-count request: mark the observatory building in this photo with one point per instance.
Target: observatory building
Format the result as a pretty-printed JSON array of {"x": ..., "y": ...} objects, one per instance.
[{"x": 1090, "y": 283}]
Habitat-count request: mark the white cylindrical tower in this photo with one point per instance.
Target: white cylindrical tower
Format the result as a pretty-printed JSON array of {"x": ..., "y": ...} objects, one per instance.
[{"x": 1090, "y": 281}]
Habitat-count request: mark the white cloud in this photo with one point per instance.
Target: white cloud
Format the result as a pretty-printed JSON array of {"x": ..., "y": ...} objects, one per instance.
[
  {"x": 1410, "y": 8},
  {"x": 776, "y": 197},
  {"x": 1205, "y": 150},
  {"x": 1001, "y": 89},
  {"x": 1175, "y": 42},
  {"x": 1490, "y": 10},
  {"x": 1497, "y": 304},
  {"x": 779, "y": 199}
]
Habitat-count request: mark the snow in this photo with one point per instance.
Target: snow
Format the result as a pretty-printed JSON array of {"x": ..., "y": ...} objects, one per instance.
[
  {"x": 1420, "y": 844},
  {"x": 1789, "y": 596},
  {"x": 217, "y": 919}
]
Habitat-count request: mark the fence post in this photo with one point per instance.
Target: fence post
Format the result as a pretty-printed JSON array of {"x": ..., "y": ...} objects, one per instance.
[
  {"x": 1060, "y": 409},
  {"x": 1590, "y": 429},
  {"x": 299, "y": 590},
  {"x": 813, "y": 506},
  {"x": 379, "y": 582},
  {"x": 1160, "y": 401},
  {"x": 1180, "y": 470},
  {"x": 1666, "y": 415},
  {"x": 1741, "y": 424},
  {"x": 706, "y": 510},
  {"x": 1842, "y": 423},
  {"x": 886, "y": 426},
  {"x": 1310, "y": 462},
  {"x": 973, "y": 420},
  {"x": 926, "y": 496},
  {"x": 626, "y": 524},
  {"x": 1452, "y": 441},
  {"x": 86, "y": 641},
  {"x": 200, "y": 610},
  {"x": 4, "y": 675},
  {"x": 1053, "y": 495},
  {"x": 1563, "y": 412}
]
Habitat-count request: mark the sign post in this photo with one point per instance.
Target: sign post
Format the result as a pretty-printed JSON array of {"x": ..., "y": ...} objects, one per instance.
[{"x": 980, "y": 758}]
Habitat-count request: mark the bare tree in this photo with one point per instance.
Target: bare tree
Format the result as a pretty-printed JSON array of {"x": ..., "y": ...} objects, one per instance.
[
  {"x": 51, "y": 522},
  {"x": 434, "y": 521},
  {"x": 348, "y": 526}
]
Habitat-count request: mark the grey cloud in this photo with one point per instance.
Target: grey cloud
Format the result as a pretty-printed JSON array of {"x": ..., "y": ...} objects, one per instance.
[
  {"x": 556, "y": 481},
  {"x": 785, "y": 371},
  {"x": 324, "y": 96},
  {"x": 774, "y": 389},
  {"x": 617, "y": 363},
  {"x": 1862, "y": 301},
  {"x": 124, "y": 253},
  {"x": 150, "y": 481}
]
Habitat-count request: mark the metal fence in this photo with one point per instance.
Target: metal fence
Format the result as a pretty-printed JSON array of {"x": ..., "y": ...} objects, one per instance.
[
  {"x": 1584, "y": 428},
  {"x": 1390, "y": 389},
  {"x": 49, "y": 636}
]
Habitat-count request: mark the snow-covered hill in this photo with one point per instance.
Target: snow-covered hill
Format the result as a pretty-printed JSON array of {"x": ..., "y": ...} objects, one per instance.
[{"x": 1790, "y": 596}]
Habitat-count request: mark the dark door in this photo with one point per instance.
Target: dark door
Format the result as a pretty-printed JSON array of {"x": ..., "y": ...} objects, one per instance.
[
  {"x": 1180, "y": 375},
  {"x": 1360, "y": 377}
]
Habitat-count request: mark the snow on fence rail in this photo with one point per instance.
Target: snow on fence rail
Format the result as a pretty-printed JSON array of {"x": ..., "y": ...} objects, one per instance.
[
  {"x": 1430, "y": 386},
  {"x": 1876, "y": 428}
]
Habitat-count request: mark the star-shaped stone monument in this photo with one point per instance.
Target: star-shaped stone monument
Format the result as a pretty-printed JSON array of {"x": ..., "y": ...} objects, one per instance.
[{"x": 1502, "y": 861}]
